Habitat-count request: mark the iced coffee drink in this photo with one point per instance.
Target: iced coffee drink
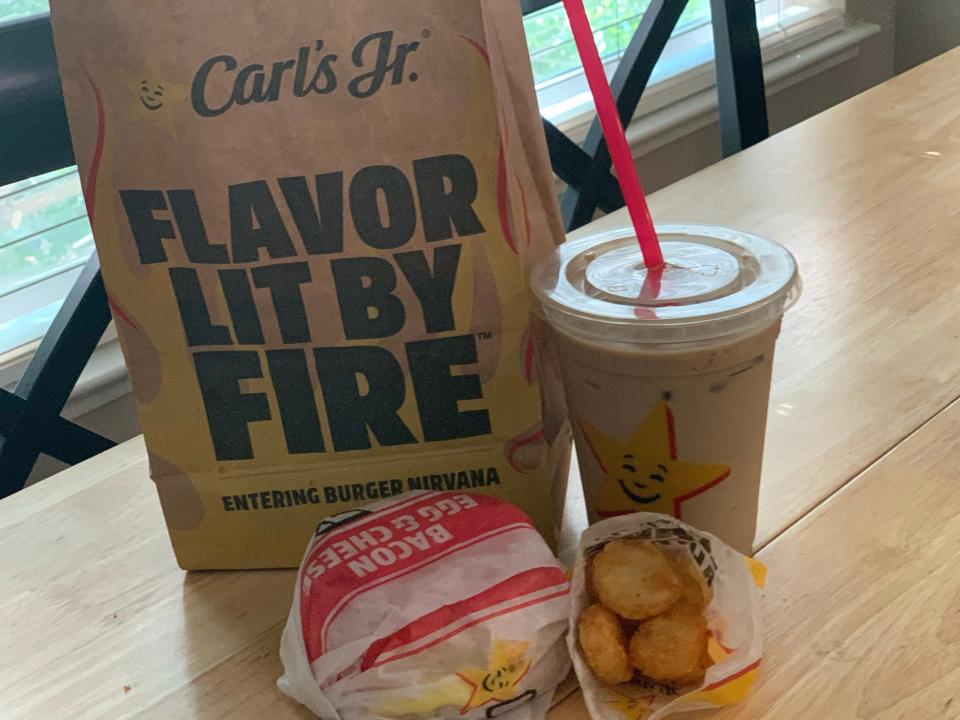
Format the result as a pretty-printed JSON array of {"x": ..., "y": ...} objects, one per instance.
[{"x": 667, "y": 374}]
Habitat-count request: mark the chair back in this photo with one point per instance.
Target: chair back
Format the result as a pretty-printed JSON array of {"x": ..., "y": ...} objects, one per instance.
[
  {"x": 34, "y": 139},
  {"x": 741, "y": 99}
]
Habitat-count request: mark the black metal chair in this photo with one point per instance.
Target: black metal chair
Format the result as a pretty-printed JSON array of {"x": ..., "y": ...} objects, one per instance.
[
  {"x": 741, "y": 99},
  {"x": 34, "y": 139}
]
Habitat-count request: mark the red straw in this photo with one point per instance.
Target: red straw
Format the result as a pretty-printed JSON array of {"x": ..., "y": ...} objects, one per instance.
[{"x": 613, "y": 132}]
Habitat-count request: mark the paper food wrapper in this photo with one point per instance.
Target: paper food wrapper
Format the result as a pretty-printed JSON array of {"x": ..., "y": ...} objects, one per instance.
[
  {"x": 733, "y": 621},
  {"x": 314, "y": 221},
  {"x": 430, "y": 605}
]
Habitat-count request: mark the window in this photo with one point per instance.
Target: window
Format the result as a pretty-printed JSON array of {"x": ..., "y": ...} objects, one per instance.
[
  {"x": 45, "y": 239},
  {"x": 561, "y": 87},
  {"x": 10, "y": 9},
  {"x": 552, "y": 51}
]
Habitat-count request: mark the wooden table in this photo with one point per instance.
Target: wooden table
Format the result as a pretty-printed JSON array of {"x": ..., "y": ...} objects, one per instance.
[{"x": 860, "y": 507}]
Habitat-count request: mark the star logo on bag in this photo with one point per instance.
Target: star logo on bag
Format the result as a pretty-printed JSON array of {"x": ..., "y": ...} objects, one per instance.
[
  {"x": 644, "y": 473},
  {"x": 499, "y": 681},
  {"x": 154, "y": 99}
]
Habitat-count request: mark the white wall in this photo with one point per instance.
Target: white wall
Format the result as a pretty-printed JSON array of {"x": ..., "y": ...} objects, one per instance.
[
  {"x": 873, "y": 64},
  {"x": 911, "y": 31},
  {"x": 925, "y": 29}
]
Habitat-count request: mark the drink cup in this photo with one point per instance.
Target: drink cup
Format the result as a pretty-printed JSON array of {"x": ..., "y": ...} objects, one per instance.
[{"x": 667, "y": 374}]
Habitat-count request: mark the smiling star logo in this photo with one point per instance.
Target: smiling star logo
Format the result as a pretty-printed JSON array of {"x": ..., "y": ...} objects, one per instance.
[
  {"x": 644, "y": 473},
  {"x": 151, "y": 95},
  {"x": 498, "y": 681},
  {"x": 153, "y": 99}
]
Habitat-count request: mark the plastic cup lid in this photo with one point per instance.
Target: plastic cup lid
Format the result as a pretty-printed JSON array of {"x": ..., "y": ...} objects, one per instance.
[{"x": 716, "y": 282}]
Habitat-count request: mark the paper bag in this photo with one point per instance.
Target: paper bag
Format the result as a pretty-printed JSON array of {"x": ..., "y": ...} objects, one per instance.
[{"x": 314, "y": 221}]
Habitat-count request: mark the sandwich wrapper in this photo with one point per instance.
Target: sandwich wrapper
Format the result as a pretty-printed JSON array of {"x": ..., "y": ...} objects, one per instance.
[
  {"x": 733, "y": 621},
  {"x": 427, "y": 605}
]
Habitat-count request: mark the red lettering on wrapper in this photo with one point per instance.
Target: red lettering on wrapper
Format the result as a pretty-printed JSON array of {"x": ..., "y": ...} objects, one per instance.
[
  {"x": 447, "y": 523},
  {"x": 405, "y": 523},
  {"x": 398, "y": 550}
]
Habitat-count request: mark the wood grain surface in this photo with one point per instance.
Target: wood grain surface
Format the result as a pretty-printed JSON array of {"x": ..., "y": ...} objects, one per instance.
[{"x": 862, "y": 601}]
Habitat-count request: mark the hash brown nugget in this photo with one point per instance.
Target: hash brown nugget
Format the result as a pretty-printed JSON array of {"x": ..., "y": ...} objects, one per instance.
[
  {"x": 634, "y": 579},
  {"x": 696, "y": 677},
  {"x": 604, "y": 645},
  {"x": 670, "y": 647},
  {"x": 694, "y": 591}
]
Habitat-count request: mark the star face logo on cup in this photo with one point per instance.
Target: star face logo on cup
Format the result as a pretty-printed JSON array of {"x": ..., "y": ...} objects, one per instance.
[{"x": 644, "y": 473}]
